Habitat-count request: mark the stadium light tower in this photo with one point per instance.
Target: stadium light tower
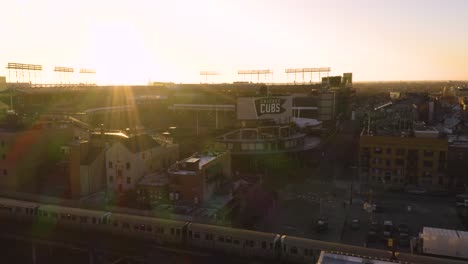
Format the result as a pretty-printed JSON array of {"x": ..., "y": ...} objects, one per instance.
[
  {"x": 20, "y": 68},
  {"x": 208, "y": 73},
  {"x": 264, "y": 73},
  {"x": 88, "y": 72},
  {"x": 65, "y": 72},
  {"x": 304, "y": 70}
]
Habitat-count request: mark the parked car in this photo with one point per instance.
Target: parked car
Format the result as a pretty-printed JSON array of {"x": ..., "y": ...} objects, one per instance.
[
  {"x": 403, "y": 240},
  {"x": 321, "y": 225},
  {"x": 387, "y": 229},
  {"x": 373, "y": 233}
]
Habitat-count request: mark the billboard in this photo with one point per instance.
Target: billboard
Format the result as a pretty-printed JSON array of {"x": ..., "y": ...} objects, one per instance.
[
  {"x": 347, "y": 78},
  {"x": 332, "y": 81},
  {"x": 271, "y": 107}
]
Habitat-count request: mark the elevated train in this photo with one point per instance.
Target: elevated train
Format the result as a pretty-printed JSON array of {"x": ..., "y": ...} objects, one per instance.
[{"x": 230, "y": 241}]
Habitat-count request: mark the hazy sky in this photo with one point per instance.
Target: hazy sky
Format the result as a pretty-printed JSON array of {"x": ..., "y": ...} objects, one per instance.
[{"x": 130, "y": 42}]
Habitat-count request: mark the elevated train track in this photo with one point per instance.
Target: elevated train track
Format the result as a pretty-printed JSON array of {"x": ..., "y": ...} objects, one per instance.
[{"x": 192, "y": 237}]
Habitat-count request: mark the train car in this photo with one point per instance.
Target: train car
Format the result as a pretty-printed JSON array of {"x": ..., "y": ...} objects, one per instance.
[
  {"x": 244, "y": 243},
  {"x": 22, "y": 211},
  {"x": 161, "y": 231},
  {"x": 299, "y": 250},
  {"x": 69, "y": 217}
]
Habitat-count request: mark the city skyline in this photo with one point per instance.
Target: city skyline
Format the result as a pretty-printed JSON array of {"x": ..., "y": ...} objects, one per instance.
[{"x": 134, "y": 42}]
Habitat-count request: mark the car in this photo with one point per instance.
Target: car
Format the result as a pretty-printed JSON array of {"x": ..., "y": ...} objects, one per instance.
[
  {"x": 355, "y": 224},
  {"x": 403, "y": 240},
  {"x": 321, "y": 225},
  {"x": 373, "y": 233},
  {"x": 387, "y": 229}
]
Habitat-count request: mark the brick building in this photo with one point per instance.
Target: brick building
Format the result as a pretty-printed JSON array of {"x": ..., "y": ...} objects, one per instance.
[
  {"x": 415, "y": 159},
  {"x": 196, "y": 178}
]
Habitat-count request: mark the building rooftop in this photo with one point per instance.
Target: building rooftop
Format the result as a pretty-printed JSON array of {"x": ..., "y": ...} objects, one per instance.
[
  {"x": 337, "y": 258},
  {"x": 189, "y": 165}
]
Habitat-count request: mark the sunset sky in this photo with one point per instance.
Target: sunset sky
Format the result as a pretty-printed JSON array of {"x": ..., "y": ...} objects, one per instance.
[{"x": 131, "y": 42}]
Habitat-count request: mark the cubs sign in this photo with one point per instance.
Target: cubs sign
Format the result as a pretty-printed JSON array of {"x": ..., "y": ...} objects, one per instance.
[
  {"x": 269, "y": 106},
  {"x": 277, "y": 107}
]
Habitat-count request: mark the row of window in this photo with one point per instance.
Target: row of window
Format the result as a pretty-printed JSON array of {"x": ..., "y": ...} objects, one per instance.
[
  {"x": 400, "y": 162},
  {"x": 110, "y": 164},
  {"x": 265, "y": 146},
  {"x": 229, "y": 239},
  {"x": 84, "y": 219},
  {"x": 402, "y": 151},
  {"x": 294, "y": 251}
]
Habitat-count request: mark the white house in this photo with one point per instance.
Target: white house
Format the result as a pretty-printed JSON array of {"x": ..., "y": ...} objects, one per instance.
[{"x": 131, "y": 158}]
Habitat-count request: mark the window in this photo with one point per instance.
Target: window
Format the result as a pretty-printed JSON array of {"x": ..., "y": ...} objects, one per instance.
[
  {"x": 129, "y": 180},
  {"x": 263, "y": 244},
  {"x": 428, "y": 164},
  {"x": 128, "y": 165},
  {"x": 172, "y": 231},
  {"x": 377, "y": 150},
  {"x": 400, "y": 151},
  {"x": 400, "y": 162},
  {"x": 389, "y": 151},
  {"x": 293, "y": 250},
  {"x": 388, "y": 163},
  {"x": 228, "y": 239},
  {"x": 110, "y": 165},
  {"x": 5, "y": 172},
  {"x": 111, "y": 178},
  {"x": 428, "y": 153}
]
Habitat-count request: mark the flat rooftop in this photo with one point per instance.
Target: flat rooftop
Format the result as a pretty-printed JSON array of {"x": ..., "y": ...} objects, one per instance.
[{"x": 336, "y": 258}]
